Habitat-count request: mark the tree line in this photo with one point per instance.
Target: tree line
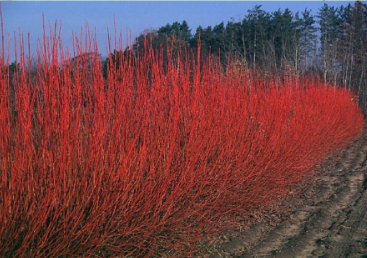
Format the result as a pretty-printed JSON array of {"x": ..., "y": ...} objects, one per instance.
[{"x": 330, "y": 44}]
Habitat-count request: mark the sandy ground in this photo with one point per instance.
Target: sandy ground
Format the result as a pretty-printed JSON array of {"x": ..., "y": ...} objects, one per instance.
[{"x": 329, "y": 219}]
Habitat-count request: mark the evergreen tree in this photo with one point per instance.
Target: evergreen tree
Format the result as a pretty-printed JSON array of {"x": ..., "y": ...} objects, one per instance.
[
  {"x": 258, "y": 21},
  {"x": 329, "y": 22},
  {"x": 307, "y": 38}
]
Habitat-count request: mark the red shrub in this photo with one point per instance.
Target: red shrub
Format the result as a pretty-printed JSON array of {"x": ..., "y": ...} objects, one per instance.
[{"x": 151, "y": 161}]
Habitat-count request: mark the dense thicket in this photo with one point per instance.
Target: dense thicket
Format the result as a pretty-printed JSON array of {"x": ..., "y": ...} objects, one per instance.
[
  {"x": 331, "y": 44},
  {"x": 149, "y": 161},
  {"x": 159, "y": 150}
]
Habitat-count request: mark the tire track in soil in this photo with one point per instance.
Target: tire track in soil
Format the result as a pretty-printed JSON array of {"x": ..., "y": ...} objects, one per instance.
[{"x": 328, "y": 220}]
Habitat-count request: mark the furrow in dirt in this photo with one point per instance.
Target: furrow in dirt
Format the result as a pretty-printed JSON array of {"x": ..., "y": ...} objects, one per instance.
[
  {"x": 346, "y": 241},
  {"x": 328, "y": 220}
]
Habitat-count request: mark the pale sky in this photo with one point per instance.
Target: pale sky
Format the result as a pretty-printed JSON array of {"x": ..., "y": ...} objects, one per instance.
[{"x": 135, "y": 16}]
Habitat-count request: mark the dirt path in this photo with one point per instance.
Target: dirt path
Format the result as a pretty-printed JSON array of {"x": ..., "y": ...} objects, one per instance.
[{"x": 328, "y": 220}]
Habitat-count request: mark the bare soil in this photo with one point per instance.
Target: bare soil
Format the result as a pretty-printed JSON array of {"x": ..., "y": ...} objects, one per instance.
[{"x": 329, "y": 219}]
